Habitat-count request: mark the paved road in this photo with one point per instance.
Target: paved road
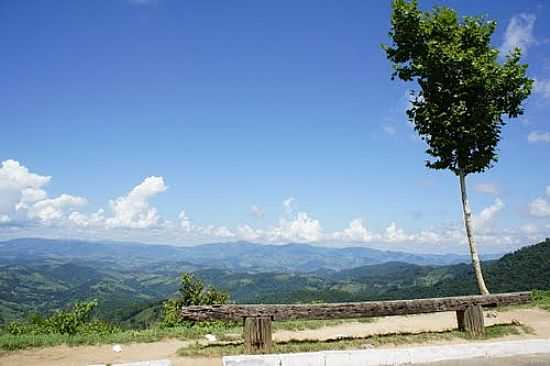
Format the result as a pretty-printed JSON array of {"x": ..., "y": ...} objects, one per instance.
[{"x": 535, "y": 360}]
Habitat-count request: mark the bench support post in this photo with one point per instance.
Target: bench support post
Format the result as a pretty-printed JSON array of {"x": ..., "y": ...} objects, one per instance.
[
  {"x": 471, "y": 321},
  {"x": 257, "y": 335}
]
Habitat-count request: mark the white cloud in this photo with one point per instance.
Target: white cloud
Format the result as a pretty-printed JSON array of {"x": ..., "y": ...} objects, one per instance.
[
  {"x": 519, "y": 33},
  {"x": 355, "y": 232},
  {"x": 133, "y": 210},
  {"x": 542, "y": 87},
  {"x": 540, "y": 206},
  {"x": 26, "y": 206},
  {"x": 537, "y": 136},
  {"x": 302, "y": 228},
  {"x": 392, "y": 233},
  {"x": 185, "y": 223},
  {"x": 246, "y": 232},
  {"x": 216, "y": 231},
  {"x": 19, "y": 187},
  {"x": 256, "y": 211},
  {"x": 487, "y": 215},
  {"x": 51, "y": 209},
  {"x": 490, "y": 188}
]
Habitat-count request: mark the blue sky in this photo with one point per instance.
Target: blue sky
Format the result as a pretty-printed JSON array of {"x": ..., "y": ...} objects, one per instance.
[{"x": 264, "y": 121}]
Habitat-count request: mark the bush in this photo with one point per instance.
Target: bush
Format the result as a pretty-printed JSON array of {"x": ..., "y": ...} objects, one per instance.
[
  {"x": 192, "y": 292},
  {"x": 76, "y": 320},
  {"x": 541, "y": 298}
]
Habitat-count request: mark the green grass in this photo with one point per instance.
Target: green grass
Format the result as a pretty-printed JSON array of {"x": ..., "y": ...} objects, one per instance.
[
  {"x": 10, "y": 342},
  {"x": 542, "y": 299},
  {"x": 494, "y": 331},
  {"x": 223, "y": 332}
]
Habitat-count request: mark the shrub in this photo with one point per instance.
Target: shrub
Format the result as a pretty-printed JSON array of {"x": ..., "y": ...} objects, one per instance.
[
  {"x": 192, "y": 292},
  {"x": 76, "y": 320}
]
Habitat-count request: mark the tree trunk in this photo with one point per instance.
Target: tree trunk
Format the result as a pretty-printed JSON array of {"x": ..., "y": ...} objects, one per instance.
[{"x": 470, "y": 235}]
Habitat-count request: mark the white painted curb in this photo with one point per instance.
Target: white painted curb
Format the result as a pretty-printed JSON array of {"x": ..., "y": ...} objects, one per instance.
[
  {"x": 141, "y": 363},
  {"x": 397, "y": 356}
]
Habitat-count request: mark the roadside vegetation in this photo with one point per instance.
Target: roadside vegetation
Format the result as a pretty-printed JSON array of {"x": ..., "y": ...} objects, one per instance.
[
  {"x": 235, "y": 348},
  {"x": 78, "y": 325}
]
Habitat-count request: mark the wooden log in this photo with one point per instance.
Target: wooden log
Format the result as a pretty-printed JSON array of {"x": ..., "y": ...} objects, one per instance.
[
  {"x": 474, "y": 323},
  {"x": 257, "y": 335},
  {"x": 460, "y": 320},
  {"x": 349, "y": 310}
]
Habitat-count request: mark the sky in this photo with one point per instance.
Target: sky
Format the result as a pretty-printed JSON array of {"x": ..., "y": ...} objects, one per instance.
[{"x": 187, "y": 122}]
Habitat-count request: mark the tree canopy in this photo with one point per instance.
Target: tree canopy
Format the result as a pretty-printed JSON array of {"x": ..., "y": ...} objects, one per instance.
[{"x": 464, "y": 91}]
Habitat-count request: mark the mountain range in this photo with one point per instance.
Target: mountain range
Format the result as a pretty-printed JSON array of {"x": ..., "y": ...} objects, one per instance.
[
  {"x": 130, "y": 280},
  {"x": 236, "y": 256}
]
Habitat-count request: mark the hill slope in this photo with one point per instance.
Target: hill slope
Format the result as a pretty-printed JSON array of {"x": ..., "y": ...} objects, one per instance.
[{"x": 124, "y": 291}]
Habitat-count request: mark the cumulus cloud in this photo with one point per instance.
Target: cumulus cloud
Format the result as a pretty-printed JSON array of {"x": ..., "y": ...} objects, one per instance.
[
  {"x": 540, "y": 206},
  {"x": 19, "y": 188},
  {"x": 392, "y": 233},
  {"x": 355, "y": 232},
  {"x": 24, "y": 200},
  {"x": 489, "y": 188},
  {"x": 537, "y": 136},
  {"x": 519, "y": 33},
  {"x": 134, "y": 210},
  {"x": 184, "y": 221},
  {"x": 482, "y": 220},
  {"x": 302, "y": 228},
  {"x": 51, "y": 209}
]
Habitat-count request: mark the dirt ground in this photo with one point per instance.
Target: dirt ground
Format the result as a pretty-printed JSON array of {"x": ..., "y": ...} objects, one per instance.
[{"x": 538, "y": 320}]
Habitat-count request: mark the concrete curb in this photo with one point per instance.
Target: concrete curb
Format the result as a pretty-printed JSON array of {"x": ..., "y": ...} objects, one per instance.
[
  {"x": 140, "y": 363},
  {"x": 397, "y": 356}
]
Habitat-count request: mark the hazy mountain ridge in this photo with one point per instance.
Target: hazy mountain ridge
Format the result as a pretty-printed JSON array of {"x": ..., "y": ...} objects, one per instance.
[{"x": 239, "y": 256}]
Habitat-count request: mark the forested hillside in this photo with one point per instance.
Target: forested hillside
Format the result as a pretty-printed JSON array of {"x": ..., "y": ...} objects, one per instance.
[{"x": 132, "y": 295}]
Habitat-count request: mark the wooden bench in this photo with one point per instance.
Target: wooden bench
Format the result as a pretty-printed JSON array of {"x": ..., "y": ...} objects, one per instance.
[{"x": 258, "y": 318}]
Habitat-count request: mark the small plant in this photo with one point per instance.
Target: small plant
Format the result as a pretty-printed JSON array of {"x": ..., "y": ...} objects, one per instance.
[
  {"x": 76, "y": 320},
  {"x": 541, "y": 298},
  {"x": 192, "y": 292}
]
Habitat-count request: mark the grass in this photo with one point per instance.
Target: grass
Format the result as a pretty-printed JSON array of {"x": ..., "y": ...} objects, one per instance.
[
  {"x": 297, "y": 325},
  {"x": 10, "y": 342},
  {"x": 224, "y": 332},
  {"x": 542, "y": 299},
  {"x": 495, "y": 331}
]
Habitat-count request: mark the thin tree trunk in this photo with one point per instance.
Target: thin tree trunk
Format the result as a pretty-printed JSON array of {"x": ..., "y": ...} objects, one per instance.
[{"x": 469, "y": 233}]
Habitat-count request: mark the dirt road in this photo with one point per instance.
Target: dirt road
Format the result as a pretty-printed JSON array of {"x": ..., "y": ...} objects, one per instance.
[{"x": 538, "y": 320}]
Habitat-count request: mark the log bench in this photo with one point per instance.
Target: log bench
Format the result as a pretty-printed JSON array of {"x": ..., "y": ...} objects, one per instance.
[{"x": 257, "y": 318}]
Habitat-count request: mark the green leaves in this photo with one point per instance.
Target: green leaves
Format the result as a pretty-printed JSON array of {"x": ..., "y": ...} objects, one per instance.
[
  {"x": 464, "y": 90},
  {"x": 76, "y": 320},
  {"x": 192, "y": 292}
]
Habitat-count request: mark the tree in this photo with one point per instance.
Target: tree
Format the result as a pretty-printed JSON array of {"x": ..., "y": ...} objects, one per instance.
[
  {"x": 464, "y": 92},
  {"x": 192, "y": 291}
]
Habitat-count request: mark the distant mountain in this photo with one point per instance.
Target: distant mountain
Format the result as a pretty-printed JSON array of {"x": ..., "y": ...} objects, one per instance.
[
  {"x": 237, "y": 256},
  {"x": 131, "y": 280},
  {"x": 131, "y": 293}
]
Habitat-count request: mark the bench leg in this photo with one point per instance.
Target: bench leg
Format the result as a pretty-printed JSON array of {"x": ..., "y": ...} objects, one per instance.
[
  {"x": 257, "y": 335},
  {"x": 471, "y": 321},
  {"x": 460, "y": 320}
]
